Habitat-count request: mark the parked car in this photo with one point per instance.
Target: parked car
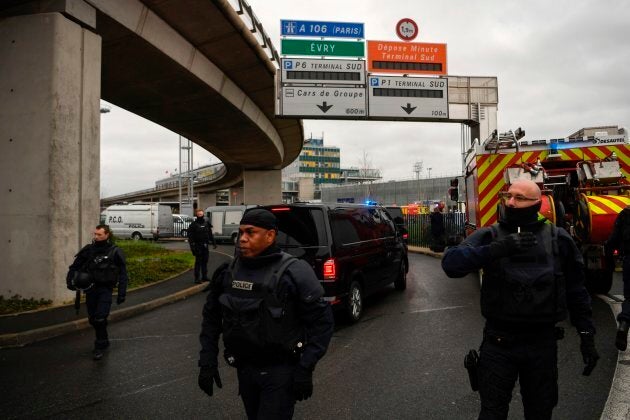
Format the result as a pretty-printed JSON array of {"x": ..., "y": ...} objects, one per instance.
[
  {"x": 181, "y": 223},
  {"x": 354, "y": 249},
  {"x": 225, "y": 220},
  {"x": 399, "y": 220},
  {"x": 141, "y": 220}
]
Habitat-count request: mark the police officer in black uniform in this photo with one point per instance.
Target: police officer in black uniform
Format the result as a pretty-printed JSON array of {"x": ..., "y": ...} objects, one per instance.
[
  {"x": 620, "y": 239},
  {"x": 96, "y": 270},
  {"x": 532, "y": 275},
  {"x": 199, "y": 237},
  {"x": 275, "y": 324}
]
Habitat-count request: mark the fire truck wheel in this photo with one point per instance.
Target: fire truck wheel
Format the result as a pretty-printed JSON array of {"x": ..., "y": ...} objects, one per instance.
[{"x": 599, "y": 281}]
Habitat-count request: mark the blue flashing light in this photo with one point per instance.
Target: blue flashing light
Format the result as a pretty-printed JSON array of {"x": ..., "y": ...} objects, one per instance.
[
  {"x": 370, "y": 202},
  {"x": 553, "y": 148}
]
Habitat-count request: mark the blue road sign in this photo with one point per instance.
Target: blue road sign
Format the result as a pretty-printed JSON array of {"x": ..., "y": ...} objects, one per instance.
[
  {"x": 321, "y": 29},
  {"x": 373, "y": 81}
]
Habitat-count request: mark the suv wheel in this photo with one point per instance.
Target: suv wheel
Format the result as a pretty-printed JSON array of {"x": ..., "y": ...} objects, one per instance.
[
  {"x": 401, "y": 281},
  {"x": 183, "y": 233},
  {"x": 136, "y": 236},
  {"x": 354, "y": 304}
]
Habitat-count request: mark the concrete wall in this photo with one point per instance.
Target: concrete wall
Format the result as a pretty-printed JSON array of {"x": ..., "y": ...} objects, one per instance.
[
  {"x": 49, "y": 151},
  {"x": 206, "y": 200},
  {"x": 262, "y": 187}
]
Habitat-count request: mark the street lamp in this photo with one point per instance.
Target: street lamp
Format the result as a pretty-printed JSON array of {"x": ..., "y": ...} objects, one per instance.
[{"x": 429, "y": 170}]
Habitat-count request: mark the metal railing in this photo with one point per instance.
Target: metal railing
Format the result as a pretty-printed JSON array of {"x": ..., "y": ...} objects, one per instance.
[
  {"x": 419, "y": 228},
  {"x": 180, "y": 228}
]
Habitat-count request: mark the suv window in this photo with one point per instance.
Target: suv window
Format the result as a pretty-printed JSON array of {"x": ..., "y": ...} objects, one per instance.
[
  {"x": 300, "y": 227},
  {"x": 353, "y": 225}
]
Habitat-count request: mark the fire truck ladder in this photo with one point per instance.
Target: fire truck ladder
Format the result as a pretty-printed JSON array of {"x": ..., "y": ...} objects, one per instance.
[{"x": 507, "y": 140}]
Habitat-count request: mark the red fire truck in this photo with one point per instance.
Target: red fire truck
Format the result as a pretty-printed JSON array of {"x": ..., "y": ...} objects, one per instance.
[{"x": 585, "y": 179}]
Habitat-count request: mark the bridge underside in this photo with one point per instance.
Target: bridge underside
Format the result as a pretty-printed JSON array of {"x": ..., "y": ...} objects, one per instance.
[{"x": 191, "y": 66}]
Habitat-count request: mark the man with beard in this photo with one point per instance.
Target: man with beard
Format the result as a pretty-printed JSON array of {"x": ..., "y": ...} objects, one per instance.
[
  {"x": 532, "y": 276},
  {"x": 199, "y": 238},
  {"x": 96, "y": 270},
  {"x": 275, "y": 324}
]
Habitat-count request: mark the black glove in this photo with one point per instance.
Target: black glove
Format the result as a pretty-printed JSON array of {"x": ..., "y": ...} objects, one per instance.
[
  {"x": 119, "y": 300},
  {"x": 302, "y": 383},
  {"x": 208, "y": 374},
  {"x": 514, "y": 243},
  {"x": 589, "y": 353}
]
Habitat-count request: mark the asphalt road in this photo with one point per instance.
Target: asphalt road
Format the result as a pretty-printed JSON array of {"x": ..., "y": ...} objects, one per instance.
[{"x": 404, "y": 360}]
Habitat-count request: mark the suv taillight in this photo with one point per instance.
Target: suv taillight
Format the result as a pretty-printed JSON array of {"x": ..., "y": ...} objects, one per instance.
[
  {"x": 330, "y": 269},
  {"x": 405, "y": 236}
]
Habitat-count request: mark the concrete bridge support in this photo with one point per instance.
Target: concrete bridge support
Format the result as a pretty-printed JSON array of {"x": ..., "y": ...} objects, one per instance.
[
  {"x": 205, "y": 200},
  {"x": 262, "y": 187},
  {"x": 237, "y": 196},
  {"x": 50, "y": 68}
]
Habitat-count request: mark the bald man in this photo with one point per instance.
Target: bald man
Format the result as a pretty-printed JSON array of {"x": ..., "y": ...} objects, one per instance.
[{"x": 532, "y": 278}]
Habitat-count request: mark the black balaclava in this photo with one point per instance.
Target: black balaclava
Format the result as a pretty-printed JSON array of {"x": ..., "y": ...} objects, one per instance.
[
  {"x": 102, "y": 244},
  {"x": 521, "y": 216}
]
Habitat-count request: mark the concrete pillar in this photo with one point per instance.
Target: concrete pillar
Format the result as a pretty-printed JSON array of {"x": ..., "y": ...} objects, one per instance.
[
  {"x": 50, "y": 70},
  {"x": 263, "y": 187},
  {"x": 206, "y": 200},
  {"x": 237, "y": 196},
  {"x": 306, "y": 189}
]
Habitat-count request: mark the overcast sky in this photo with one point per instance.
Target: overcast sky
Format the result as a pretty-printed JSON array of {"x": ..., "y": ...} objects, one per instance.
[{"x": 561, "y": 66}]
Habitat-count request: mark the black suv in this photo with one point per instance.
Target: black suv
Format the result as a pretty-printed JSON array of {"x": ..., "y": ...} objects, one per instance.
[{"x": 354, "y": 249}]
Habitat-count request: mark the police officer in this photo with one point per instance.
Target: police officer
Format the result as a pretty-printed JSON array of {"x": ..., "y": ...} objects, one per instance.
[
  {"x": 97, "y": 269},
  {"x": 199, "y": 237},
  {"x": 275, "y": 324},
  {"x": 532, "y": 275},
  {"x": 620, "y": 239}
]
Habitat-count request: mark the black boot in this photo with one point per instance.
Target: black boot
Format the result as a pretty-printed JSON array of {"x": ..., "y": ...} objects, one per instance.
[{"x": 622, "y": 335}]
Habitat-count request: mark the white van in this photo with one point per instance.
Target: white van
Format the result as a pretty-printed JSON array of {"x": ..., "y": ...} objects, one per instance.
[
  {"x": 225, "y": 221},
  {"x": 138, "y": 221}
]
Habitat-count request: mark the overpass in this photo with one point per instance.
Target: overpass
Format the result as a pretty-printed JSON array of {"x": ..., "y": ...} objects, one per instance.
[
  {"x": 204, "y": 189},
  {"x": 194, "y": 67}
]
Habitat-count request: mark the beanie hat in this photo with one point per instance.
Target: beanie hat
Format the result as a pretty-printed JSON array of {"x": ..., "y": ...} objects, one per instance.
[{"x": 260, "y": 218}]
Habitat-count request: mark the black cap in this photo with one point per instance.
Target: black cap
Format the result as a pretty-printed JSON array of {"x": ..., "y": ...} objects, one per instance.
[{"x": 260, "y": 218}]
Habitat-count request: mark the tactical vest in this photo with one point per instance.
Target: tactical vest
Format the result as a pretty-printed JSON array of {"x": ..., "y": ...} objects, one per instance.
[
  {"x": 103, "y": 269},
  {"x": 258, "y": 324},
  {"x": 528, "y": 287}
]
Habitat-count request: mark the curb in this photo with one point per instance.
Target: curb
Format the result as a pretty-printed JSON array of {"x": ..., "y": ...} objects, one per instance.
[
  {"x": 425, "y": 251},
  {"x": 27, "y": 337}
]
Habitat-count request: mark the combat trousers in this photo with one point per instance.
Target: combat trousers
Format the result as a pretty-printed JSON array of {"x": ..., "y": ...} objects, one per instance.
[
  {"x": 532, "y": 358},
  {"x": 201, "y": 263},
  {"x": 267, "y": 392},
  {"x": 99, "y": 302}
]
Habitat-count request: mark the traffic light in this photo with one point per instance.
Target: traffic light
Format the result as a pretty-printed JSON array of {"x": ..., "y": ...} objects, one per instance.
[{"x": 453, "y": 191}]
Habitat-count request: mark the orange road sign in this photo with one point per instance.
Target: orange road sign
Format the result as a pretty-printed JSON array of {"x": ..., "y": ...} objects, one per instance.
[{"x": 406, "y": 57}]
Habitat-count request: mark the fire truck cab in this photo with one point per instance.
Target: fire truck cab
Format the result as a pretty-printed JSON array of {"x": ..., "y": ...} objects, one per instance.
[{"x": 585, "y": 180}]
